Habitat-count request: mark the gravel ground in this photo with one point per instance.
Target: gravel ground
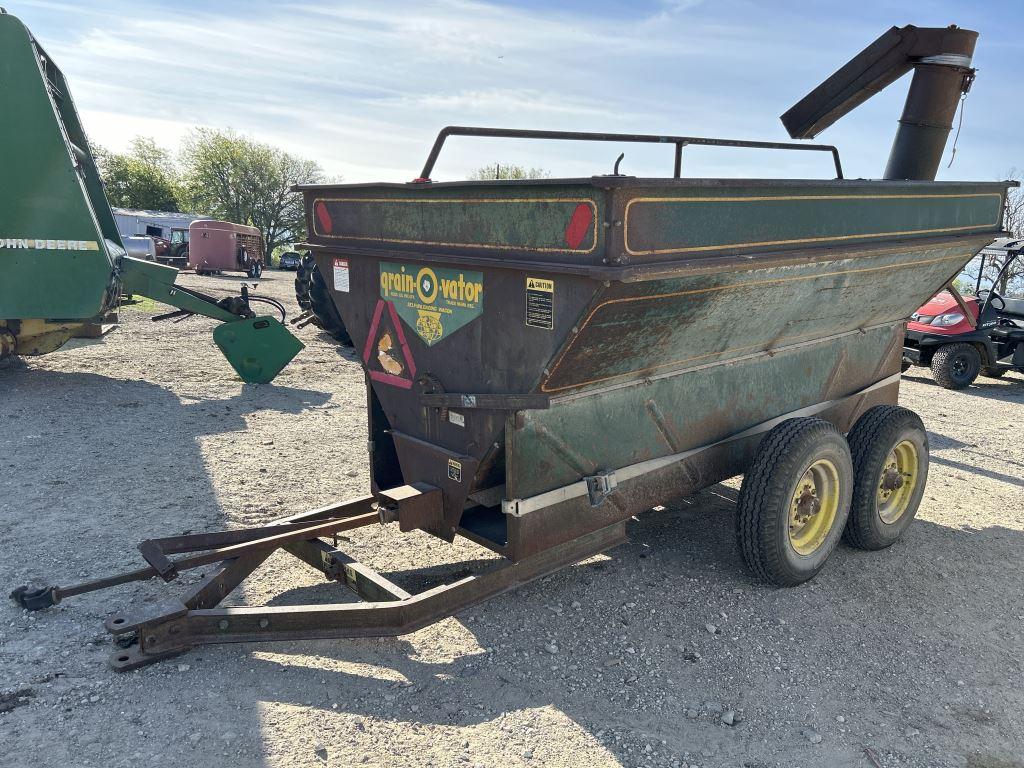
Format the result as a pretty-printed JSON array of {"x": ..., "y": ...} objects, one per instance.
[{"x": 660, "y": 653}]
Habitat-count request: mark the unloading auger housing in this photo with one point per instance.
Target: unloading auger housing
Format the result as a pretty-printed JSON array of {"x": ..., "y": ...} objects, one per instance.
[
  {"x": 62, "y": 263},
  {"x": 546, "y": 358}
]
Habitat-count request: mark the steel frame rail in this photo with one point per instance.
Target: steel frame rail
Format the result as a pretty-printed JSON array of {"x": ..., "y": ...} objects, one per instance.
[
  {"x": 169, "y": 628},
  {"x": 679, "y": 142}
]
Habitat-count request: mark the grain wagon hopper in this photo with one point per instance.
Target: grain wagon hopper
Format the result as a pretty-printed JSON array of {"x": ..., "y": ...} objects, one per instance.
[
  {"x": 62, "y": 262},
  {"x": 546, "y": 358}
]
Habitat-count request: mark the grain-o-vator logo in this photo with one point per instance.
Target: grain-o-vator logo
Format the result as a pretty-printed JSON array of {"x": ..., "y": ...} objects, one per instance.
[{"x": 434, "y": 302}]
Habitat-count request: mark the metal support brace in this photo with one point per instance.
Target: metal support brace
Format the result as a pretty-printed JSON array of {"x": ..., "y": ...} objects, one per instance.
[
  {"x": 169, "y": 628},
  {"x": 177, "y": 629}
]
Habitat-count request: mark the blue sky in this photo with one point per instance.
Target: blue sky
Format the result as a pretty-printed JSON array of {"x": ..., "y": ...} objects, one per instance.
[{"x": 363, "y": 87}]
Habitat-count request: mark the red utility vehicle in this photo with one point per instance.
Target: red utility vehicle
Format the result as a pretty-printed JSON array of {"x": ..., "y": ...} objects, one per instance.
[
  {"x": 221, "y": 246},
  {"x": 962, "y": 336}
]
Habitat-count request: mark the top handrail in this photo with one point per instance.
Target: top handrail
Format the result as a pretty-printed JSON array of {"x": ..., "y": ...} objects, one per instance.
[{"x": 678, "y": 141}]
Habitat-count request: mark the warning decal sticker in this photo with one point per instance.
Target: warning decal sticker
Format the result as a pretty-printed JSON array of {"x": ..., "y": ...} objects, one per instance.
[
  {"x": 341, "y": 275},
  {"x": 434, "y": 302},
  {"x": 540, "y": 303}
]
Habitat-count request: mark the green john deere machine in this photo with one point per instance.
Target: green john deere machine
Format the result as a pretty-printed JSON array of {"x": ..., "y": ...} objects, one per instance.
[{"x": 62, "y": 264}]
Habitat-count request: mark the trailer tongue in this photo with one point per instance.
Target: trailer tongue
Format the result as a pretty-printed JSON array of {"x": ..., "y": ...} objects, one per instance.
[{"x": 545, "y": 359}]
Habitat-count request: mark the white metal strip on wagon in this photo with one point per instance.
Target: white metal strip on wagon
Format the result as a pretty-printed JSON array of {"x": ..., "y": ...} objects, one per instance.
[{"x": 520, "y": 507}]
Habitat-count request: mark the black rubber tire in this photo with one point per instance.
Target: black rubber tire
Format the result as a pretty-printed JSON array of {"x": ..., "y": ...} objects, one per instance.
[
  {"x": 312, "y": 294},
  {"x": 255, "y": 270},
  {"x": 874, "y": 435},
  {"x": 323, "y": 307},
  {"x": 302, "y": 279},
  {"x": 956, "y": 366},
  {"x": 992, "y": 373},
  {"x": 905, "y": 366},
  {"x": 762, "y": 519}
]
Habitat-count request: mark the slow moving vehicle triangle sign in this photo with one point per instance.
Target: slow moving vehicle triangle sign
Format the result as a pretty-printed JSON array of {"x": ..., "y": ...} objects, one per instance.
[{"x": 386, "y": 353}]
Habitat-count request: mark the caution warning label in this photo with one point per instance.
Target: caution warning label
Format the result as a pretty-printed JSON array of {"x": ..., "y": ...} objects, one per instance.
[
  {"x": 341, "y": 281},
  {"x": 540, "y": 303}
]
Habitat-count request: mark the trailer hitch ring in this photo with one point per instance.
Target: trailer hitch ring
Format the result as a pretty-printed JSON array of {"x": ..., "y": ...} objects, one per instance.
[{"x": 35, "y": 599}]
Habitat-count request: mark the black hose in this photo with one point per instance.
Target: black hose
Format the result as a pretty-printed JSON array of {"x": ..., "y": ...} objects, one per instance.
[{"x": 272, "y": 302}]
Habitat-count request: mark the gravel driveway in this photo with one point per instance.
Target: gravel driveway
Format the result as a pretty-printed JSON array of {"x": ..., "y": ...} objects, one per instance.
[{"x": 660, "y": 653}]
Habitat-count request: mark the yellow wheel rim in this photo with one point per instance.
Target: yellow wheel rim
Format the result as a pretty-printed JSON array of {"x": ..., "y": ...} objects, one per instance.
[
  {"x": 898, "y": 481},
  {"x": 812, "y": 510}
]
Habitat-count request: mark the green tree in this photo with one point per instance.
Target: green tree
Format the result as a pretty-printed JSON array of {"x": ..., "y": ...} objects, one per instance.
[
  {"x": 142, "y": 177},
  {"x": 1011, "y": 282},
  {"x": 247, "y": 182},
  {"x": 507, "y": 171}
]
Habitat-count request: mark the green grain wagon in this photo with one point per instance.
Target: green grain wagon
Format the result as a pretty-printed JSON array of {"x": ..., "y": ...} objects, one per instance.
[{"x": 546, "y": 358}]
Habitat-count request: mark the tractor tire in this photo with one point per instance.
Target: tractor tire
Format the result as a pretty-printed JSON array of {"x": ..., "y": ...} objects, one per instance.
[
  {"x": 255, "y": 270},
  {"x": 992, "y": 373},
  {"x": 302, "y": 278},
  {"x": 312, "y": 293},
  {"x": 794, "y": 501},
  {"x": 889, "y": 445},
  {"x": 956, "y": 366}
]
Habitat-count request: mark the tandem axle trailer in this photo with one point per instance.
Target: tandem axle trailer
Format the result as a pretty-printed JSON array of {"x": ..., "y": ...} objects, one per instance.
[{"x": 545, "y": 359}]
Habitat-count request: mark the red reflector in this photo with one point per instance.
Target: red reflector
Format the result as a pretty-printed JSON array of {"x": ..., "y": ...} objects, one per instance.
[
  {"x": 323, "y": 217},
  {"x": 579, "y": 225}
]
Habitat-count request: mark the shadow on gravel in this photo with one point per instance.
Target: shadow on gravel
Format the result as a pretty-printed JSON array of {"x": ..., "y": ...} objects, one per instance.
[
  {"x": 653, "y": 641},
  {"x": 895, "y": 641},
  {"x": 412, "y": 580},
  {"x": 91, "y": 465},
  {"x": 974, "y": 469},
  {"x": 1009, "y": 388},
  {"x": 130, "y": 460},
  {"x": 981, "y": 460},
  {"x": 262, "y": 397}
]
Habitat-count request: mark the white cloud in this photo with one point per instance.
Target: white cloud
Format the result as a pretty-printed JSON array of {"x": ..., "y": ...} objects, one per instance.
[{"x": 363, "y": 87}]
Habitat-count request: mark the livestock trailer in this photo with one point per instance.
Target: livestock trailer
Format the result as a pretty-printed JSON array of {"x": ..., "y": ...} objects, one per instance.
[
  {"x": 546, "y": 358},
  {"x": 223, "y": 246}
]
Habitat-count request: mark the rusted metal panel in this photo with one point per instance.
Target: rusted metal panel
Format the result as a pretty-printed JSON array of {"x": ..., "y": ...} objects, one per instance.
[
  {"x": 631, "y": 221},
  {"x": 764, "y": 218},
  {"x": 529, "y": 220},
  {"x": 554, "y": 525},
  {"x": 643, "y": 328},
  {"x": 643, "y": 419}
]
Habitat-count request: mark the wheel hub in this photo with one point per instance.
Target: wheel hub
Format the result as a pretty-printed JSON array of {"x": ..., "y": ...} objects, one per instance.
[
  {"x": 892, "y": 479},
  {"x": 898, "y": 480},
  {"x": 813, "y": 507},
  {"x": 807, "y": 505}
]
